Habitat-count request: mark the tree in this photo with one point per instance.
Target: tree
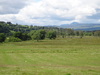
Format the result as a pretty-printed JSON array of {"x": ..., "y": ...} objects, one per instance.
[
  {"x": 36, "y": 36},
  {"x": 81, "y": 33},
  {"x": 70, "y": 32},
  {"x": 9, "y": 23},
  {"x": 25, "y": 37},
  {"x": 63, "y": 33},
  {"x": 4, "y": 28},
  {"x": 2, "y": 37},
  {"x": 22, "y": 36},
  {"x": 97, "y": 33},
  {"x": 18, "y": 35},
  {"x": 77, "y": 33},
  {"x": 42, "y": 34},
  {"x": 51, "y": 35},
  {"x": 39, "y": 35}
]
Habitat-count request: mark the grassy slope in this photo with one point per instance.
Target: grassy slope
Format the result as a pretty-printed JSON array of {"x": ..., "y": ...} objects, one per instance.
[{"x": 51, "y": 57}]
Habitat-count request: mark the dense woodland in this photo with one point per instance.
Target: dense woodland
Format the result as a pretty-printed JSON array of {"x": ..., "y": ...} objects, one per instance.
[{"x": 14, "y": 32}]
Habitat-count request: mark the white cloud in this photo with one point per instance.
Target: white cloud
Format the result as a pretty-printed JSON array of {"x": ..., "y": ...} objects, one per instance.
[
  {"x": 12, "y": 6},
  {"x": 45, "y": 12}
]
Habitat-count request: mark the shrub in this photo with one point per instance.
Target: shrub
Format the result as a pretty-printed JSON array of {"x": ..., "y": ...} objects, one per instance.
[
  {"x": 25, "y": 37},
  {"x": 39, "y": 35},
  {"x": 13, "y": 39},
  {"x": 18, "y": 35},
  {"x": 2, "y": 37},
  {"x": 22, "y": 36},
  {"x": 51, "y": 35},
  {"x": 68, "y": 74}
]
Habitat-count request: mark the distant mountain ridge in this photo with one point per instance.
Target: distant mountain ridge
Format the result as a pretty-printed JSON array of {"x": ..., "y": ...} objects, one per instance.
[{"x": 81, "y": 26}]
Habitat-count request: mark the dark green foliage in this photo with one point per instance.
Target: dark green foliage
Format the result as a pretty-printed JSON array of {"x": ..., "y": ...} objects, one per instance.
[
  {"x": 77, "y": 33},
  {"x": 62, "y": 33},
  {"x": 70, "y": 32},
  {"x": 89, "y": 33},
  {"x": 68, "y": 74},
  {"x": 32, "y": 33},
  {"x": 18, "y": 35},
  {"x": 51, "y": 35},
  {"x": 4, "y": 28},
  {"x": 22, "y": 36},
  {"x": 9, "y": 23},
  {"x": 13, "y": 39},
  {"x": 2, "y": 37},
  {"x": 42, "y": 34},
  {"x": 25, "y": 37},
  {"x": 97, "y": 33},
  {"x": 38, "y": 35}
]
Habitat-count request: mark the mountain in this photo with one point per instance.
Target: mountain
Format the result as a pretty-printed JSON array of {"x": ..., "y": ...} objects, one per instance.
[{"x": 81, "y": 26}]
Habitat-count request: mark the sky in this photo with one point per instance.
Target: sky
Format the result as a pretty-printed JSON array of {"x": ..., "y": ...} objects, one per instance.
[{"x": 49, "y": 12}]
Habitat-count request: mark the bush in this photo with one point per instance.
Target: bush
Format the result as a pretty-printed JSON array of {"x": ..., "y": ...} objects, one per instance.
[
  {"x": 2, "y": 37},
  {"x": 68, "y": 74},
  {"x": 22, "y": 36},
  {"x": 51, "y": 35},
  {"x": 13, "y": 39},
  {"x": 39, "y": 35},
  {"x": 97, "y": 33},
  {"x": 18, "y": 35},
  {"x": 25, "y": 37}
]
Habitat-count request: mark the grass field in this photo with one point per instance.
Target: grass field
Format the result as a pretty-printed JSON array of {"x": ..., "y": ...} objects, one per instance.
[{"x": 68, "y": 56}]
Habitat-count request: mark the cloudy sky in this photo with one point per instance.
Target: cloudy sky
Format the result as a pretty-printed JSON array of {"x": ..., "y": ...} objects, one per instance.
[{"x": 50, "y": 12}]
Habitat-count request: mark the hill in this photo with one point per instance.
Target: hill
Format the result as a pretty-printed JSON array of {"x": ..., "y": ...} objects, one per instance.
[{"x": 81, "y": 26}]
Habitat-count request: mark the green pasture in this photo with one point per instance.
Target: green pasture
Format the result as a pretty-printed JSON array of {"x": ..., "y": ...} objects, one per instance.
[{"x": 62, "y": 56}]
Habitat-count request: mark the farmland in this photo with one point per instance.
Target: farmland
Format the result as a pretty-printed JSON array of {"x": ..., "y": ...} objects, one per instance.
[{"x": 67, "y": 56}]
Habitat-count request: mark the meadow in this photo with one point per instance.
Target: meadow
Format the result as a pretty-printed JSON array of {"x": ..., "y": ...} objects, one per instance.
[{"x": 62, "y": 56}]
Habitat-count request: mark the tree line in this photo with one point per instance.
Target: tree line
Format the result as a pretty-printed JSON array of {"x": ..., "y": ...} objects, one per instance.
[{"x": 15, "y": 33}]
